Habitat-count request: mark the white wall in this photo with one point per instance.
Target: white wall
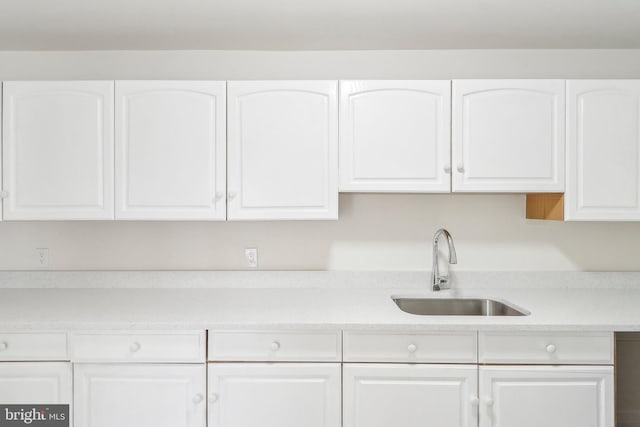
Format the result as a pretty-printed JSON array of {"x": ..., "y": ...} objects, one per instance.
[
  {"x": 375, "y": 232},
  {"x": 434, "y": 64}
]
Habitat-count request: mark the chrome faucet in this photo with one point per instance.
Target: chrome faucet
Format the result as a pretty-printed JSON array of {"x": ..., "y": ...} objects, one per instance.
[{"x": 442, "y": 281}]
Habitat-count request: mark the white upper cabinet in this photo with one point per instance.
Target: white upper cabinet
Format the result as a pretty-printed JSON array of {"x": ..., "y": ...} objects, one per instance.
[
  {"x": 58, "y": 150},
  {"x": 395, "y": 136},
  {"x": 3, "y": 193},
  {"x": 603, "y": 150},
  {"x": 282, "y": 150},
  {"x": 170, "y": 150},
  {"x": 508, "y": 135}
]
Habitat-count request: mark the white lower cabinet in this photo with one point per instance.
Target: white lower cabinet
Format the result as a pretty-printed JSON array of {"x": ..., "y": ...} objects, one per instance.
[
  {"x": 380, "y": 395},
  {"x": 306, "y": 379},
  {"x": 549, "y": 396},
  {"x": 143, "y": 395},
  {"x": 274, "y": 395},
  {"x": 35, "y": 383},
  {"x": 35, "y": 369},
  {"x": 377, "y": 395}
]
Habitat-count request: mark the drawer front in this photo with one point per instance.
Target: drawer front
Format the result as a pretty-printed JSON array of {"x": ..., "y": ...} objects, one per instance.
[
  {"x": 432, "y": 347},
  {"x": 36, "y": 346},
  {"x": 546, "y": 348},
  {"x": 177, "y": 347},
  {"x": 286, "y": 346}
]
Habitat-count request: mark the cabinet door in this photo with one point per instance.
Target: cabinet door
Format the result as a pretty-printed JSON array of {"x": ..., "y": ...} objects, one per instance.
[
  {"x": 410, "y": 395},
  {"x": 139, "y": 395},
  {"x": 508, "y": 135},
  {"x": 3, "y": 193},
  {"x": 283, "y": 150},
  {"x": 274, "y": 395},
  {"x": 170, "y": 150},
  {"x": 58, "y": 150},
  {"x": 35, "y": 383},
  {"x": 603, "y": 150},
  {"x": 550, "y": 396},
  {"x": 395, "y": 136}
]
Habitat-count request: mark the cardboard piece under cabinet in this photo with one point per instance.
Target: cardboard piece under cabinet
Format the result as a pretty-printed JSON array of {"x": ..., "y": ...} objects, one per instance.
[{"x": 549, "y": 206}]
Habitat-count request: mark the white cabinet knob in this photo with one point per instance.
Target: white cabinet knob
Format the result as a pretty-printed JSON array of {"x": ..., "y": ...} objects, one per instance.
[
  {"x": 231, "y": 195},
  {"x": 474, "y": 400},
  {"x": 412, "y": 348},
  {"x": 460, "y": 167},
  {"x": 4, "y": 345},
  {"x": 275, "y": 346},
  {"x": 213, "y": 398},
  {"x": 551, "y": 348},
  {"x": 488, "y": 401},
  {"x": 218, "y": 196},
  {"x": 135, "y": 347},
  {"x": 197, "y": 398},
  {"x": 447, "y": 168},
  {"x": 4, "y": 194}
]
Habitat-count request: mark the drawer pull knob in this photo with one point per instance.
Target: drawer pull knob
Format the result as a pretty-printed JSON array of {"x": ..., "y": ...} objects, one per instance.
[
  {"x": 135, "y": 347},
  {"x": 474, "y": 400},
  {"x": 488, "y": 401},
  {"x": 218, "y": 196},
  {"x": 197, "y": 398},
  {"x": 213, "y": 398},
  {"x": 551, "y": 348},
  {"x": 4, "y": 345},
  {"x": 275, "y": 346},
  {"x": 412, "y": 348},
  {"x": 460, "y": 167},
  {"x": 447, "y": 168},
  {"x": 231, "y": 195}
]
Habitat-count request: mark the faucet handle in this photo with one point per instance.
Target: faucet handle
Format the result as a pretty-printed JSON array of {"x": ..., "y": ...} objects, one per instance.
[{"x": 443, "y": 282}]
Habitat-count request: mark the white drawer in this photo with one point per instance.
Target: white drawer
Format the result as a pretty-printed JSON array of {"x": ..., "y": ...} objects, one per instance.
[
  {"x": 286, "y": 346},
  {"x": 553, "y": 348},
  {"x": 430, "y": 347},
  {"x": 33, "y": 346},
  {"x": 131, "y": 347}
]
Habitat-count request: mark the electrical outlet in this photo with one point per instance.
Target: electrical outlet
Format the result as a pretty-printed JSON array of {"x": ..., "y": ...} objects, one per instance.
[
  {"x": 251, "y": 255},
  {"x": 42, "y": 257}
]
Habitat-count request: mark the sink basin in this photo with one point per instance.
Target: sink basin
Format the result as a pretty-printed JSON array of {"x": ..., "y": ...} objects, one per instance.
[{"x": 457, "y": 307}]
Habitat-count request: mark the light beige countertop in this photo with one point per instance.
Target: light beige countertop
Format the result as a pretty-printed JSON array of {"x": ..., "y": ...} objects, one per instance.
[{"x": 308, "y": 300}]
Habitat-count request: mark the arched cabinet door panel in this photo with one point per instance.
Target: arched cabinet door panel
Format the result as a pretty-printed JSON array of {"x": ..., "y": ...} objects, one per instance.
[
  {"x": 170, "y": 150},
  {"x": 58, "y": 150},
  {"x": 508, "y": 136},
  {"x": 395, "y": 136},
  {"x": 282, "y": 150},
  {"x": 603, "y": 150}
]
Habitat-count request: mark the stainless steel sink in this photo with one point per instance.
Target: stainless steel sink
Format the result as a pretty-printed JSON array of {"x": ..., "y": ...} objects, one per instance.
[{"x": 457, "y": 307}]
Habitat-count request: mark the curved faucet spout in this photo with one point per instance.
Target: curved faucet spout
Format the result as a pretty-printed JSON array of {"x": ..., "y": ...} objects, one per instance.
[{"x": 442, "y": 281}]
